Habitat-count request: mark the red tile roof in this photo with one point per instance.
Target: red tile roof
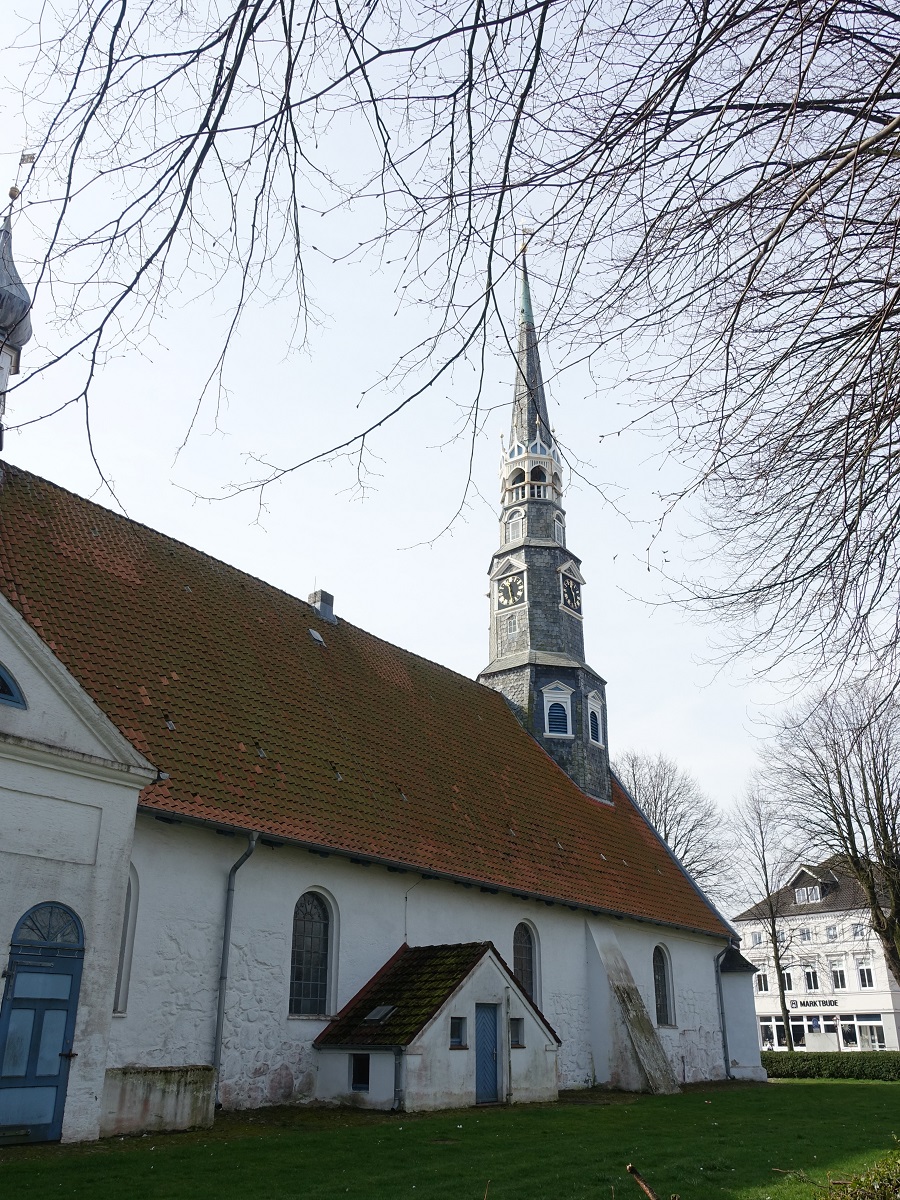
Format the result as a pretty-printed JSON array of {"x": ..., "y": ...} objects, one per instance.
[
  {"x": 414, "y": 984},
  {"x": 356, "y": 747}
]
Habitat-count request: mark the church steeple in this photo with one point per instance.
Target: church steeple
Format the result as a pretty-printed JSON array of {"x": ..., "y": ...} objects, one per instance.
[
  {"x": 537, "y": 634},
  {"x": 529, "y": 415}
]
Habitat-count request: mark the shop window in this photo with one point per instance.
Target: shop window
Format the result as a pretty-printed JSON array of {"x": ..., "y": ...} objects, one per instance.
[
  {"x": 359, "y": 1072},
  {"x": 662, "y": 986},
  {"x": 517, "y": 1032},
  {"x": 458, "y": 1033}
]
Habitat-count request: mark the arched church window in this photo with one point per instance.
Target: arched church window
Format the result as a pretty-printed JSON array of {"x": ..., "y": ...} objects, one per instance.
[
  {"x": 538, "y": 475},
  {"x": 662, "y": 986},
  {"x": 126, "y": 943},
  {"x": 309, "y": 957},
  {"x": 517, "y": 477},
  {"x": 10, "y": 692},
  {"x": 557, "y": 718},
  {"x": 523, "y": 958}
]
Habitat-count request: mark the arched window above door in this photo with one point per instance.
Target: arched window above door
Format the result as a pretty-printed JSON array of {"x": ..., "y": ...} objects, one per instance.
[
  {"x": 49, "y": 924},
  {"x": 10, "y": 692}
]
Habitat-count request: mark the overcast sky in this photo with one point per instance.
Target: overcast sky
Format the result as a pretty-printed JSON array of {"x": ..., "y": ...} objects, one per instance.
[{"x": 380, "y": 553}]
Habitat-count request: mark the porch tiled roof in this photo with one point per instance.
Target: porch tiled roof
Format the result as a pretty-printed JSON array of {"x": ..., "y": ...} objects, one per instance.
[
  {"x": 414, "y": 983},
  {"x": 355, "y": 747}
]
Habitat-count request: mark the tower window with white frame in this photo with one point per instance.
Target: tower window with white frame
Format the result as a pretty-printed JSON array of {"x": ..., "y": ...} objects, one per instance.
[
  {"x": 595, "y": 718},
  {"x": 557, "y": 711},
  {"x": 559, "y": 530},
  {"x": 515, "y": 526}
]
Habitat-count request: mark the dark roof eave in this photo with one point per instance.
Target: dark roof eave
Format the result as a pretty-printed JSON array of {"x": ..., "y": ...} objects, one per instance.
[{"x": 594, "y": 909}]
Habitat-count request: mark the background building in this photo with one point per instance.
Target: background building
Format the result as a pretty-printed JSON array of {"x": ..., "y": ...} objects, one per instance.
[{"x": 839, "y": 991}]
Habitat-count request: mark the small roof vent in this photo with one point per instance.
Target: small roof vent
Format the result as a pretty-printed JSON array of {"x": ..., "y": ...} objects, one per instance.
[{"x": 323, "y": 603}]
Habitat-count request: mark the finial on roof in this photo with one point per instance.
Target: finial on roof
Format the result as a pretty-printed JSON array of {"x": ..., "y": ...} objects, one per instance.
[{"x": 15, "y": 303}]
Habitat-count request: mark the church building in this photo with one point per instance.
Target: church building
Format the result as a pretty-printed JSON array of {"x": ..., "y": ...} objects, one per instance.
[{"x": 251, "y": 854}]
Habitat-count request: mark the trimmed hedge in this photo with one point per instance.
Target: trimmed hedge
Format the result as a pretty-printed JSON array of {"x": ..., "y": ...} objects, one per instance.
[
  {"x": 881, "y": 1182},
  {"x": 833, "y": 1064}
]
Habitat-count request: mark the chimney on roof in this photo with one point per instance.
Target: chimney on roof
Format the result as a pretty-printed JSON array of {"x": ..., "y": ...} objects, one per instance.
[{"x": 323, "y": 603}]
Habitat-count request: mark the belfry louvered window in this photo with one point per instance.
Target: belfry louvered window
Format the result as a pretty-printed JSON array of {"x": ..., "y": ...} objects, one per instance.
[
  {"x": 557, "y": 718},
  {"x": 523, "y": 958},
  {"x": 309, "y": 957},
  {"x": 595, "y": 726}
]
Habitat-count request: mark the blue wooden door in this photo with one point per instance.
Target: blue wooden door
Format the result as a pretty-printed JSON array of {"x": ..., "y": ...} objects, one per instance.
[
  {"x": 486, "y": 1054},
  {"x": 37, "y": 1023}
]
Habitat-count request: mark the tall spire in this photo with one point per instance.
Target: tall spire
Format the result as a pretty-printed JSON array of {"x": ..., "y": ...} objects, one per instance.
[{"x": 529, "y": 417}]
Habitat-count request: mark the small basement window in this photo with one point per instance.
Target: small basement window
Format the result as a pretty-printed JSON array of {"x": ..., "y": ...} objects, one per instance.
[
  {"x": 517, "y": 1032},
  {"x": 458, "y": 1033},
  {"x": 359, "y": 1072}
]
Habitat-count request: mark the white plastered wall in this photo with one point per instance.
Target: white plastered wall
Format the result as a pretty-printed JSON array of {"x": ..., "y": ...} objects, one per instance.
[
  {"x": 268, "y": 1056},
  {"x": 69, "y": 787}
]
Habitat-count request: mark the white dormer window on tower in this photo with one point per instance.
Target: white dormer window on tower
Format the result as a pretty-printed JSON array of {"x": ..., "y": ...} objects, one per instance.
[
  {"x": 515, "y": 525},
  {"x": 559, "y": 530},
  {"x": 557, "y": 710},
  {"x": 595, "y": 718}
]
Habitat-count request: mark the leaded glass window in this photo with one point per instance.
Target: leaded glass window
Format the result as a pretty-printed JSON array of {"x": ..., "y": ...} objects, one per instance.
[
  {"x": 309, "y": 957},
  {"x": 662, "y": 987},
  {"x": 523, "y": 958}
]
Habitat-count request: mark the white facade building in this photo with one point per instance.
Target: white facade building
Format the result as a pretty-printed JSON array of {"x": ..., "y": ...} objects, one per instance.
[{"x": 839, "y": 991}]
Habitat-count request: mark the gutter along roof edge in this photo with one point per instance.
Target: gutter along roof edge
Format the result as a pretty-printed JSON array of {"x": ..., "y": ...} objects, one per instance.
[{"x": 168, "y": 816}]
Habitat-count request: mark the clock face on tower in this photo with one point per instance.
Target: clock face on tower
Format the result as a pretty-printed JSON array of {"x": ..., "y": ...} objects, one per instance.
[
  {"x": 510, "y": 591},
  {"x": 571, "y": 594}
]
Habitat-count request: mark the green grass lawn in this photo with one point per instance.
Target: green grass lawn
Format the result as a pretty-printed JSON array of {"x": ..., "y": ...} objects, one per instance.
[{"x": 737, "y": 1141}]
